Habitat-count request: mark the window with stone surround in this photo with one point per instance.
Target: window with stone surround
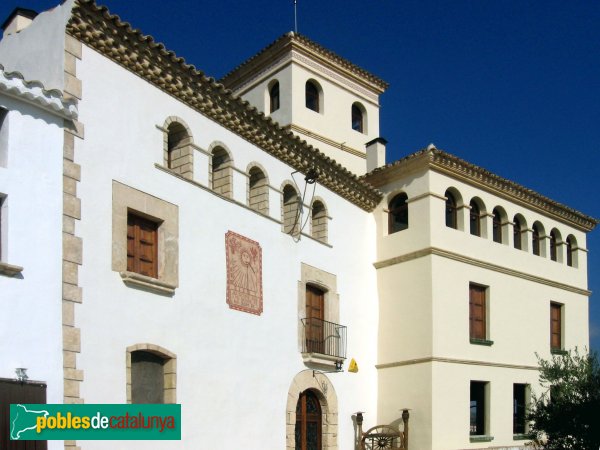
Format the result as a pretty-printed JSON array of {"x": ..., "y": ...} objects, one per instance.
[
  {"x": 319, "y": 221},
  {"x": 153, "y": 267},
  {"x": 178, "y": 150},
  {"x": 221, "y": 172},
  {"x": 258, "y": 190},
  {"x": 151, "y": 373},
  {"x": 290, "y": 205}
]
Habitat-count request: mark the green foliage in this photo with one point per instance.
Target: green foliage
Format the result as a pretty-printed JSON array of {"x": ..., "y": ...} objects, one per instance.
[{"x": 567, "y": 414}]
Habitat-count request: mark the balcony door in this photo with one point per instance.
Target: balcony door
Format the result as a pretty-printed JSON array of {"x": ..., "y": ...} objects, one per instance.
[
  {"x": 315, "y": 315},
  {"x": 308, "y": 422}
]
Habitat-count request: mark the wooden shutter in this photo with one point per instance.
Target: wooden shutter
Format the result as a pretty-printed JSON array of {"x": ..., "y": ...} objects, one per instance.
[
  {"x": 477, "y": 329},
  {"x": 315, "y": 314},
  {"x": 142, "y": 246},
  {"x": 555, "y": 326}
]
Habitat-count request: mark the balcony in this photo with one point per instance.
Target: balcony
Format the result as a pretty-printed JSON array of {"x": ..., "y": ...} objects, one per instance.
[{"x": 323, "y": 343}]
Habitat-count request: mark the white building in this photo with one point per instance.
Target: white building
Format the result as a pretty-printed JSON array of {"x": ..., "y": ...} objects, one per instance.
[{"x": 187, "y": 245}]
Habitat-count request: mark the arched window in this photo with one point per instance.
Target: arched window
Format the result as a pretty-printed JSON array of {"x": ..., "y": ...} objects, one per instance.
[
  {"x": 290, "y": 210},
  {"x": 308, "y": 422},
  {"x": 274, "y": 101},
  {"x": 497, "y": 226},
  {"x": 451, "y": 211},
  {"x": 151, "y": 374},
  {"x": 258, "y": 191},
  {"x": 221, "y": 172},
  {"x": 535, "y": 239},
  {"x": 517, "y": 233},
  {"x": 179, "y": 151},
  {"x": 398, "y": 214},
  {"x": 358, "y": 118},
  {"x": 475, "y": 219},
  {"x": 319, "y": 221},
  {"x": 312, "y": 96},
  {"x": 571, "y": 251},
  {"x": 553, "y": 242}
]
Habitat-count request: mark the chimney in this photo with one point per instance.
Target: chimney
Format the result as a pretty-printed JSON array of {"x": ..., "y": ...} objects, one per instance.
[
  {"x": 375, "y": 153},
  {"x": 18, "y": 20}
]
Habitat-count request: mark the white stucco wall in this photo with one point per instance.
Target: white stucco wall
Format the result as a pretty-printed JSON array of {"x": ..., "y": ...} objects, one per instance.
[
  {"x": 233, "y": 369},
  {"x": 31, "y": 180},
  {"x": 38, "y": 50}
]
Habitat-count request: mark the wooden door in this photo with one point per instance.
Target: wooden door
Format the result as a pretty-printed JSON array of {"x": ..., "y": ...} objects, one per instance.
[
  {"x": 477, "y": 312},
  {"x": 12, "y": 391},
  {"x": 308, "y": 422},
  {"x": 315, "y": 315}
]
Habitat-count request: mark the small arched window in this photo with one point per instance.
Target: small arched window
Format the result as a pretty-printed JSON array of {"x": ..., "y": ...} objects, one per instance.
[
  {"x": 319, "y": 221},
  {"x": 451, "y": 212},
  {"x": 290, "y": 210},
  {"x": 258, "y": 191},
  {"x": 475, "y": 219},
  {"x": 398, "y": 214},
  {"x": 553, "y": 249},
  {"x": 358, "y": 118},
  {"x": 497, "y": 226},
  {"x": 221, "y": 172},
  {"x": 179, "y": 152},
  {"x": 312, "y": 96},
  {"x": 517, "y": 231},
  {"x": 571, "y": 251},
  {"x": 151, "y": 374},
  {"x": 274, "y": 100},
  {"x": 535, "y": 239}
]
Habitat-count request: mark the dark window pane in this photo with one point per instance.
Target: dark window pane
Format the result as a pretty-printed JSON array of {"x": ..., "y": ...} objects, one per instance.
[
  {"x": 519, "y": 391},
  {"x": 312, "y": 96},
  {"x": 398, "y": 214},
  {"x": 517, "y": 234},
  {"x": 147, "y": 378},
  {"x": 475, "y": 220},
  {"x": 357, "y": 119},
  {"x": 274, "y": 97},
  {"x": 535, "y": 240},
  {"x": 497, "y": 225},
  {"x": 451, "y": 216},
  {"x": 477, "y": 408}
]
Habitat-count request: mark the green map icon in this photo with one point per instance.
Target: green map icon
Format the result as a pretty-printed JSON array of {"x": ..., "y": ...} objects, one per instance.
[{"x": 24, "y": 420}]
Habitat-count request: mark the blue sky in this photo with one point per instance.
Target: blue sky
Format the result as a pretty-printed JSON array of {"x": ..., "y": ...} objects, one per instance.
[{"x": 510, "y": 85}]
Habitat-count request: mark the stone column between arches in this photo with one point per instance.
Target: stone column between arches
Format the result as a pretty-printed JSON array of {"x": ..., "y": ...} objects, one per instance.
[{"x": 322, "y": 387}]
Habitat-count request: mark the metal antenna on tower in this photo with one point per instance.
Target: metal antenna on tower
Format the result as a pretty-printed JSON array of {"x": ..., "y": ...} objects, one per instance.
[{"x": 295, "y": 16}]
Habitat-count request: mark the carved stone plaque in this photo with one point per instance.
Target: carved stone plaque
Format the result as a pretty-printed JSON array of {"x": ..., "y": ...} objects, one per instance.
[{"x": 244, "y": 273}]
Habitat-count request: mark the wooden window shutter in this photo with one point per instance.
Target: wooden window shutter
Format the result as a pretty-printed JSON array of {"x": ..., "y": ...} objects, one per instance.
[
  {"x": 555, "y": 326},
  {"x": 477, "y": 328},
  {"x": 142, "y": 246}
]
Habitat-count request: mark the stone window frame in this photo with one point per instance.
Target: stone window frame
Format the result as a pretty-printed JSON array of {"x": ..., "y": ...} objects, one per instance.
[
  {"x": 126, "y": 199},
  {"x": 185, "y": 158},
  {"x": 325, "y": 392},
  {"x": 326, "y": 282},
  {"x": 169, "y": 367},
  {"x": 263, "y": 202},
  {"x": 319, "y": 225},
  {"x": 226, "y": 189},
  {"x": 290, "y": 224}
]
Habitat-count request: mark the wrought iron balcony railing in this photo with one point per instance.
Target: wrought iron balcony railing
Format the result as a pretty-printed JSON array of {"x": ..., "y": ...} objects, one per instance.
[{"x": 325, "y": 338}]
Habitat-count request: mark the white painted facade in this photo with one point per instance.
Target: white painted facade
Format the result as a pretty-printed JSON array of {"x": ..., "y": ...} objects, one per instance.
[
  {"x": 31, "y": 196},
  {"x": 404, "y": 297}
]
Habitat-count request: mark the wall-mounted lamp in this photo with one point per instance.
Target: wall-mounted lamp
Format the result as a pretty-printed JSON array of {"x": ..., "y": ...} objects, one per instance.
[{"x": 21, "y": 374}]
